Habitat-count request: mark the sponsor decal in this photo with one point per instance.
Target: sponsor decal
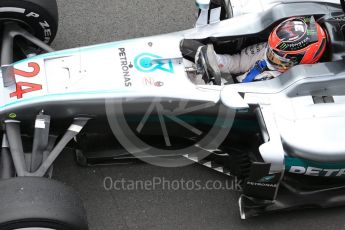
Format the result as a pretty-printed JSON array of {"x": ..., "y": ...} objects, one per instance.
[
  {"x": 149, "y": 81},
  {"x": 261, "y": 184},
  {"x": 283, "y": 46},
  {"x": 147, "y": 63},
  {"x": 313, "y": 168},
  {"x": 43, "y": 24},
  {"x": 267, "y": 178},
  {"x": 125, "y": 67}
]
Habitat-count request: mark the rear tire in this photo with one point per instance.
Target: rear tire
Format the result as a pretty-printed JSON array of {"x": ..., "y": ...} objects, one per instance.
[
  {"x": 30, "y": 202},
  {"x": 39, "y": 17}
]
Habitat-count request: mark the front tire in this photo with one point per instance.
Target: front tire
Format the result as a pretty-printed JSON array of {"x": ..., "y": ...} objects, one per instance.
[
  {"x": 39, "y": 17},
  {"x": 40, "y": 203}
]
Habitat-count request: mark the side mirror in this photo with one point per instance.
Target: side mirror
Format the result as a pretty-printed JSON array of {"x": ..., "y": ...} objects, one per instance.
[{"x": 203, "y": 4}]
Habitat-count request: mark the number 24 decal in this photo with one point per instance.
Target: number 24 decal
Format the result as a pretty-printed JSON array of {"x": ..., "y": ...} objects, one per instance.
[{"x": 26, "y": 87}]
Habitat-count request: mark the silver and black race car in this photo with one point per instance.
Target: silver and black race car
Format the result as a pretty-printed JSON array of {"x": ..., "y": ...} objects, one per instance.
[{"x": 136, "y": 99}]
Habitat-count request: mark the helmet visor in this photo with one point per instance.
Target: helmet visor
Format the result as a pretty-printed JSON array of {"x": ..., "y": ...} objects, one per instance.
[{"x": 278, "y": 61}]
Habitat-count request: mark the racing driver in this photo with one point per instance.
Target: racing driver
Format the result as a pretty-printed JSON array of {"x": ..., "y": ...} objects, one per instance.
[{"x": 298, "y": 40}]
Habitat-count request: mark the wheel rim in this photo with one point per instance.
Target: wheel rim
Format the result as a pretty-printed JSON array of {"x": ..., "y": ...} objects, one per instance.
[{"x": 23, "y": 24}]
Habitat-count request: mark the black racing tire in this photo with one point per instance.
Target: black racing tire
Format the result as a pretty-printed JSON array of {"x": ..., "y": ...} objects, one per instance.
[
  {"x": 39, "y": 17},
  {"x": 32, "y": 202}
]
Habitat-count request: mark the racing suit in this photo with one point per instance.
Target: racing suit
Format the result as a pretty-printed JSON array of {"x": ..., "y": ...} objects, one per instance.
[{"x": 251, "y": 63}]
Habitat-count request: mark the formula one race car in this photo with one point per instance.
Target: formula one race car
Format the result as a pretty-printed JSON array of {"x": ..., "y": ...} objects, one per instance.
[{"x": 135, "y": 99}]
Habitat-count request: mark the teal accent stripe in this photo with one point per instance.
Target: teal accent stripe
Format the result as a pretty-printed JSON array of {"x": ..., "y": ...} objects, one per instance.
[
  {"x": 291, "y": 161},
  {"x": 61, "y": 95}
]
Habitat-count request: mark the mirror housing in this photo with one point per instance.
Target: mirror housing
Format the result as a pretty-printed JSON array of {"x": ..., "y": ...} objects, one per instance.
[{"x": 203, "y": 4}]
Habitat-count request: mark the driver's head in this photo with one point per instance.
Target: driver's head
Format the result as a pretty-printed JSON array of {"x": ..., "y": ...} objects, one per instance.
[{"x": 299, "y": 40}]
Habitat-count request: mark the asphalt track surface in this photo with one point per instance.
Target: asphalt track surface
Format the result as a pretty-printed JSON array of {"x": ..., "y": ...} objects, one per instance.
[{"x": 87, "y": 22}]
